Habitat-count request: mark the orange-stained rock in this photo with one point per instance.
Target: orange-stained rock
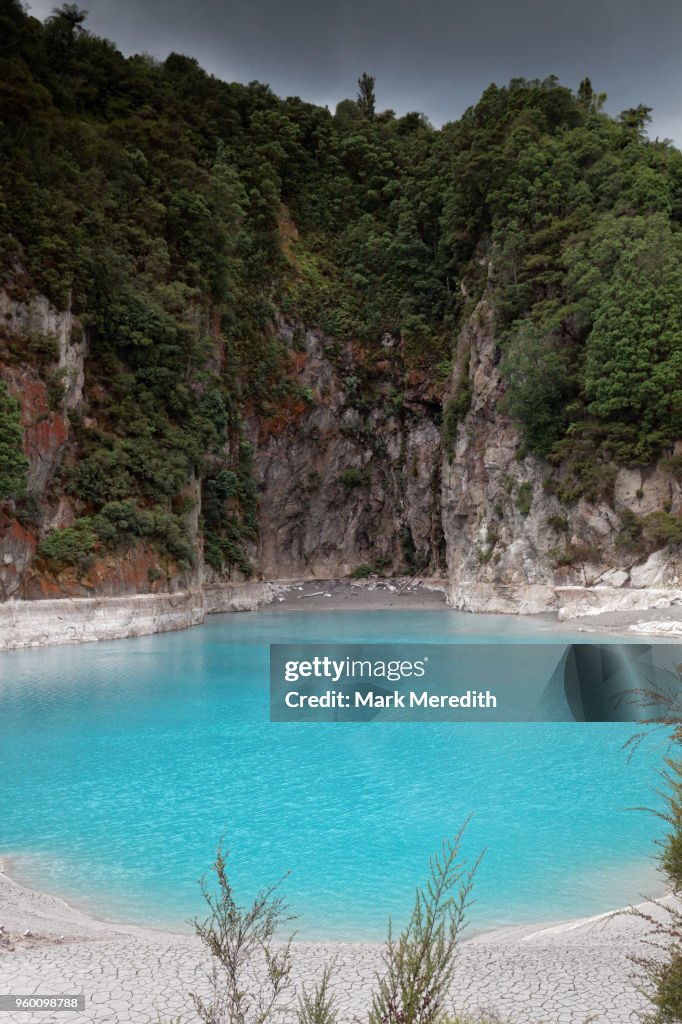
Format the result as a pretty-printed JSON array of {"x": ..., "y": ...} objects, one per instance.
[
  {"x": 17, "y": 548},
  {"x": 45, "y": 431},
  {"x": 108, "y": 576}
]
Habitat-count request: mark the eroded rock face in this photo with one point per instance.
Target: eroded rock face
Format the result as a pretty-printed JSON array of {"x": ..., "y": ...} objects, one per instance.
[
  {"x": 46, "y": 431},
  {"x": 17, "y": 548},
  {"x": 46, "y": 396},
  {"x": 36, "y": 316},
  {"x": 508, "y": 536},
  {"x": 343, "y": 483},
  {"x": 36, "y": 330},
  {"x": 353, "y": 473}
]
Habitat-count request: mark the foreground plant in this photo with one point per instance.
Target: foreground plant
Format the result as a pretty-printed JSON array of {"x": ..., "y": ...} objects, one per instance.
[
  {"x": 663, "y": 969},
  {"x": 250, "y": 976},
  {"x": 420, "y": 962},
  {"x": 317, "y": 1005},
  {"x": 250, "y": 972}
]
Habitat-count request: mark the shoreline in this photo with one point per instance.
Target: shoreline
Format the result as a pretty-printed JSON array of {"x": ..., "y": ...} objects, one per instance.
[
  {"x": 554, "y": 973},
  {"x": 603, "y": 610},
  {"x": 23, "y": 900}
]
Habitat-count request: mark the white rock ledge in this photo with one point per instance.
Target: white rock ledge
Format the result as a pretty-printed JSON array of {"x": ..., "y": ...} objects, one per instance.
[
  {"x": 568, "y": 602},
  {"x": 502, "y": 599},
  {"x": 575, "y": 602},
  {"x": 87, "y": 619}
]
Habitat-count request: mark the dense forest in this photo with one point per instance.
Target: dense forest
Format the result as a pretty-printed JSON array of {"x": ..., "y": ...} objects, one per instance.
[{"x": 179, "y": 217}]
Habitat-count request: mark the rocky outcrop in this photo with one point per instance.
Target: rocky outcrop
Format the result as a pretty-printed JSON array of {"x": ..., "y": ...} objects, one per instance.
[
  {"x": 349, "y": 478},
  {"x": 351, "y": 472},
  {"x": 45, "y": 369},
  {"x": 577, "y": 602},
  {"x": 511, "y": 545}
]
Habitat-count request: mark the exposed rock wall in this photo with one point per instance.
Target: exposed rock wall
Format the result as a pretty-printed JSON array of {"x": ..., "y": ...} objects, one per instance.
[
  {"x": 352, "y": 474},
  {"x": 505, "y": 529},
  {"x": 46, "y": 372},
  {"x": 44, "y": 419},
  {"x": 349, "y": 479}
]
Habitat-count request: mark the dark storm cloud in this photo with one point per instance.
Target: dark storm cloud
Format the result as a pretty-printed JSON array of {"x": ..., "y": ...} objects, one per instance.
[{"x": 436, "y": 56}]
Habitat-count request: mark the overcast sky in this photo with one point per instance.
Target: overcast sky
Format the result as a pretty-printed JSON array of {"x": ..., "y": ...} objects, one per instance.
[{"x": 434, "y": 56}]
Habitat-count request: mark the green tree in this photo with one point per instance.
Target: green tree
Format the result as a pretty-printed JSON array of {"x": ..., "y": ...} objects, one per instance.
[
  {"x": 633, "y": 365},
  {"x": 538, "y": 378},
  {"x": 366, "y": 95},
  {"x": 13, "y": 462}
]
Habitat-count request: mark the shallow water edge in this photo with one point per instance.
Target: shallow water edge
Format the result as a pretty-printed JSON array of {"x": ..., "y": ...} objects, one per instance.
[{"x": 654, "y": 612}]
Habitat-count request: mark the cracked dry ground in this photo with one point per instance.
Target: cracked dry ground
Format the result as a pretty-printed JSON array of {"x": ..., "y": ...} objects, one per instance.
[{"x": 137, "y": 980}]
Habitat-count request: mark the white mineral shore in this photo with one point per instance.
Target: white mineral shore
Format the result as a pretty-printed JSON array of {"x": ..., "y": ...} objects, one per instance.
[
  {"x": 559, "y": 974},
  {"x": 86, "y": 619},
  {"x": 651, "y": 612}
]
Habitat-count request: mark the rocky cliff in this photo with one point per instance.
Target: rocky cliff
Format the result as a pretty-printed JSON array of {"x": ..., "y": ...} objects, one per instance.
[
  {"x": 44, "y": 363},
  {"x": 511, "y": 544},
  {"x": 353, "y": 480},
  {"x": 359, "y": 476}
]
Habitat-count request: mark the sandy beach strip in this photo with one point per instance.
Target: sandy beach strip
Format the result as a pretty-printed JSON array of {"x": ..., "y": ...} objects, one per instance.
[
  {"x": 566, "y": 973},
  {"x": 378, "y": 594}
]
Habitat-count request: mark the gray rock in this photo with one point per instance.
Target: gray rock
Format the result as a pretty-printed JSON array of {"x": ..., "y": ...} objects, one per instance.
[{"x": 652, "y": 572}]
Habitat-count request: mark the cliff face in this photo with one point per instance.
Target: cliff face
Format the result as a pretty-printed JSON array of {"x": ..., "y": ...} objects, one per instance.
[
  {"x": 45, "y": 423},
  {"x": 354, "y": 480},
  {"x": 45, "y": 368},
  {"x": 512, "y": 545},
  {"x": 354, "y": 476}
]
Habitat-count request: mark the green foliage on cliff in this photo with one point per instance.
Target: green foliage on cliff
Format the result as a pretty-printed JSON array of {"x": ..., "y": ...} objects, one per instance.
[
  {"x": 117, "y": 526},
  {"x": 13, "y": 462},
  {"x": 179, "y": 216},
  {"x": 71, "y": 545}
]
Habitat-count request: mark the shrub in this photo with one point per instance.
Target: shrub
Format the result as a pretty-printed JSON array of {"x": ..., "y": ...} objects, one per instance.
[
  {"x": 663, "y": 970},
  {"x": 524, "y": 497},
  {"x": 250, "y": 977},
  {"x": 317, "y": 1005},
  {"x": 361, "y": 572},
  {"x": 44, "y": 348},
  {"x": 575, "y": 554},
  {"x": 13, "y": 462},
  {"x": 352, "y": 478},
  {"x": 456, "y": 409},
  {"x": 170, "y": 534},
  {"x": 241, "y": 940},
  {"x": 419, "y": 964},
  {"x": 557, "y": 523},
  {"x": 70, "y": 545},
  {"x": 643, "y": 534},
  {"x": 121, "y": 521},
  {"x": 537, "y": 375}
]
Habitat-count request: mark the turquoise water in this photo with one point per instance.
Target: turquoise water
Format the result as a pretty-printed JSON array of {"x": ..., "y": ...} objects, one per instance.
[{"x": 123, "y": 763}]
